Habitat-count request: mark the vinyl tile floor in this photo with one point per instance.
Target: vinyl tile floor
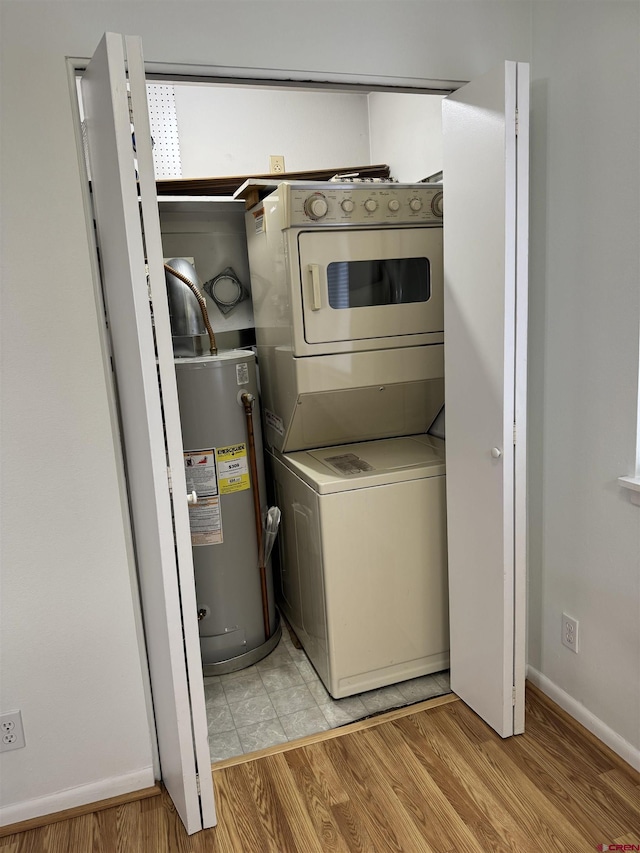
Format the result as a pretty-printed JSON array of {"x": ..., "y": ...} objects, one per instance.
[{"x": 281, "y": 699}]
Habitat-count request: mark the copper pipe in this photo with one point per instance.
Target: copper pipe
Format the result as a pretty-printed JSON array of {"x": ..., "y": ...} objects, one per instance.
[
  {"x": 213, "y": 349},
  {"x": 247, "y": 402}
]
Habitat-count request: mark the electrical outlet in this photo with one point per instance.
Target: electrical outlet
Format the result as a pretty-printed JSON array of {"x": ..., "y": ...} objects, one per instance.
[
  {"x": 570, "y": 632},
  {"x": 11, "y": 731},
  {"x": 276, "y": 164}
]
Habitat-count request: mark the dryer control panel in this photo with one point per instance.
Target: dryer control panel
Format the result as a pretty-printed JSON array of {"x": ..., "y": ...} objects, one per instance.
[{"x": 364, "y": 204}]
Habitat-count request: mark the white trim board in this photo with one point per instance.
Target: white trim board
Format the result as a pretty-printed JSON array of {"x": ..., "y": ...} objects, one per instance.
[
  {"x": 633, "y": 484},
  {"x": 288, "y": 78},
  {"x": 80, "y": 796},
  {"x": 614, "y": 741}
]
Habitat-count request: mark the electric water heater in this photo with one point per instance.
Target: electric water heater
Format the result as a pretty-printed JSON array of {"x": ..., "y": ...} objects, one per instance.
[{"x": 218, "y": 397}]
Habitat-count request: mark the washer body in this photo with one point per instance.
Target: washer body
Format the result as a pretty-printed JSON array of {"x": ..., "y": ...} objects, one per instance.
[{"x": 363, "y": 557}]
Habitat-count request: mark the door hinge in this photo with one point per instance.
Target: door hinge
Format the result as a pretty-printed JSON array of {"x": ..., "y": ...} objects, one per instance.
[
  {"x": 514, "y": 433},
  {"x": 198, "y": 784},
  {"x": 170, "y": 480},
  {"x": 517, "y": 121},
  {"x": 513, "y": 695}
]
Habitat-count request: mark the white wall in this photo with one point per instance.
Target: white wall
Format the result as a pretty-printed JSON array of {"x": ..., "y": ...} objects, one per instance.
[
  {"x": 70, "y": 652},
  {"x": 406, "y": 132},
  {"x": 69, "y": 636},
  {"x": 227, "y": 130},
  {"x": 585, "y": 308},
  {"x": 232, "y": 131}
]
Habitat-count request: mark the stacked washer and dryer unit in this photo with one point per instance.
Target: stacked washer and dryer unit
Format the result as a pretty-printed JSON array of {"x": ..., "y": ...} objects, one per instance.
[{"x": 347, "y": 288}]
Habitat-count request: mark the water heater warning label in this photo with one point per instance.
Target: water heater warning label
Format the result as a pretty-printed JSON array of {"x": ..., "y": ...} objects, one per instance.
[
  {"x": 205, "y": 520},
  {"x": 242, "y": 373},
  {"x": 200, "y": 472},
  {"x": 233, "y": 468}
]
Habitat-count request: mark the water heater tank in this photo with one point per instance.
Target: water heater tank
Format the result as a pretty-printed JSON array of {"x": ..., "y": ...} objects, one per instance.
[{"x": 223, "y": 530}]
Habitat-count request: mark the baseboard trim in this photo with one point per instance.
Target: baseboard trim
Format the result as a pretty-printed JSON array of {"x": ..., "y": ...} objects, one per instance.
[
  {"x": 625, "y": 750},
  {"x": 77, "y": 801}
]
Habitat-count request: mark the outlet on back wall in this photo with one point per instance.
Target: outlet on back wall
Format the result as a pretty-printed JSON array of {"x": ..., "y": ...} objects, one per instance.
[{"x": 276, "y": 164}]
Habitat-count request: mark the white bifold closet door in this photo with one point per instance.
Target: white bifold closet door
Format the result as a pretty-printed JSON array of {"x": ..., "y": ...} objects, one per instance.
[
  {"x": 485, "y": 144},
  {"x": 128, "y": 237}
]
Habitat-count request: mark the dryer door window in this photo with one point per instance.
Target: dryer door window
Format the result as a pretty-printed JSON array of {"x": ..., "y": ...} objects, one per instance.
[{"x": 362, "y": 284}]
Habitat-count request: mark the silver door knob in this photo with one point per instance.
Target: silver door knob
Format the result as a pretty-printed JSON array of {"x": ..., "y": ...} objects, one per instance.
[
  {"x": 192, "y": 499},
  {"x": 496, "y": 452}
]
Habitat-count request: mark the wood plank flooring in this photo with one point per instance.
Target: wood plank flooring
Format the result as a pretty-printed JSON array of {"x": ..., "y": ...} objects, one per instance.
[{"x": 435, "y": 781}]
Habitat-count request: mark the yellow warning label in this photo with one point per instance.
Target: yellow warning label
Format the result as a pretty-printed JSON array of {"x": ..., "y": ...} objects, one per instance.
[{"x": 233, "y": 469}]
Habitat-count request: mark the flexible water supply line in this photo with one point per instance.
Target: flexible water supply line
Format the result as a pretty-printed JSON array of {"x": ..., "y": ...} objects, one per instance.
[
  {"x": 247, "y": 402},
  {"x": 213, "y": 349}
]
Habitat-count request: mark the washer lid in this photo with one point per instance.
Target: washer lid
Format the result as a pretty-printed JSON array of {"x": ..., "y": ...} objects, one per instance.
[{"x": 368, "y": 463}]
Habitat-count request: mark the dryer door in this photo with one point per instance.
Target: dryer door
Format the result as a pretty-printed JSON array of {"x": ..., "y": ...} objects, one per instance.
[{"x": 367, "y": 285}]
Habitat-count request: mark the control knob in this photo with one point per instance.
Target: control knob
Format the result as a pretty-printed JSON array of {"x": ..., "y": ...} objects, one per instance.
[
  {"x": 436, "y": 204},
  {"x": 394, "y": 205},
  {"x": 415, "y": 204},
  {"x": 316, "y": 206},
  {"x": 371, "y": 204},
  {"x": 347, "y": 205}
]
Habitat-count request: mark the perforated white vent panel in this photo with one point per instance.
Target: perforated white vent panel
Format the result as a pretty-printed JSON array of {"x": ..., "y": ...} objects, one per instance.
[{"x": 164, "y": 130}]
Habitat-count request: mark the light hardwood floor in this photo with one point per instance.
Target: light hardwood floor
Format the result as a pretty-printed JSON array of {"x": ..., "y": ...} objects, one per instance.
[{"x": 437, "y": 780}]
